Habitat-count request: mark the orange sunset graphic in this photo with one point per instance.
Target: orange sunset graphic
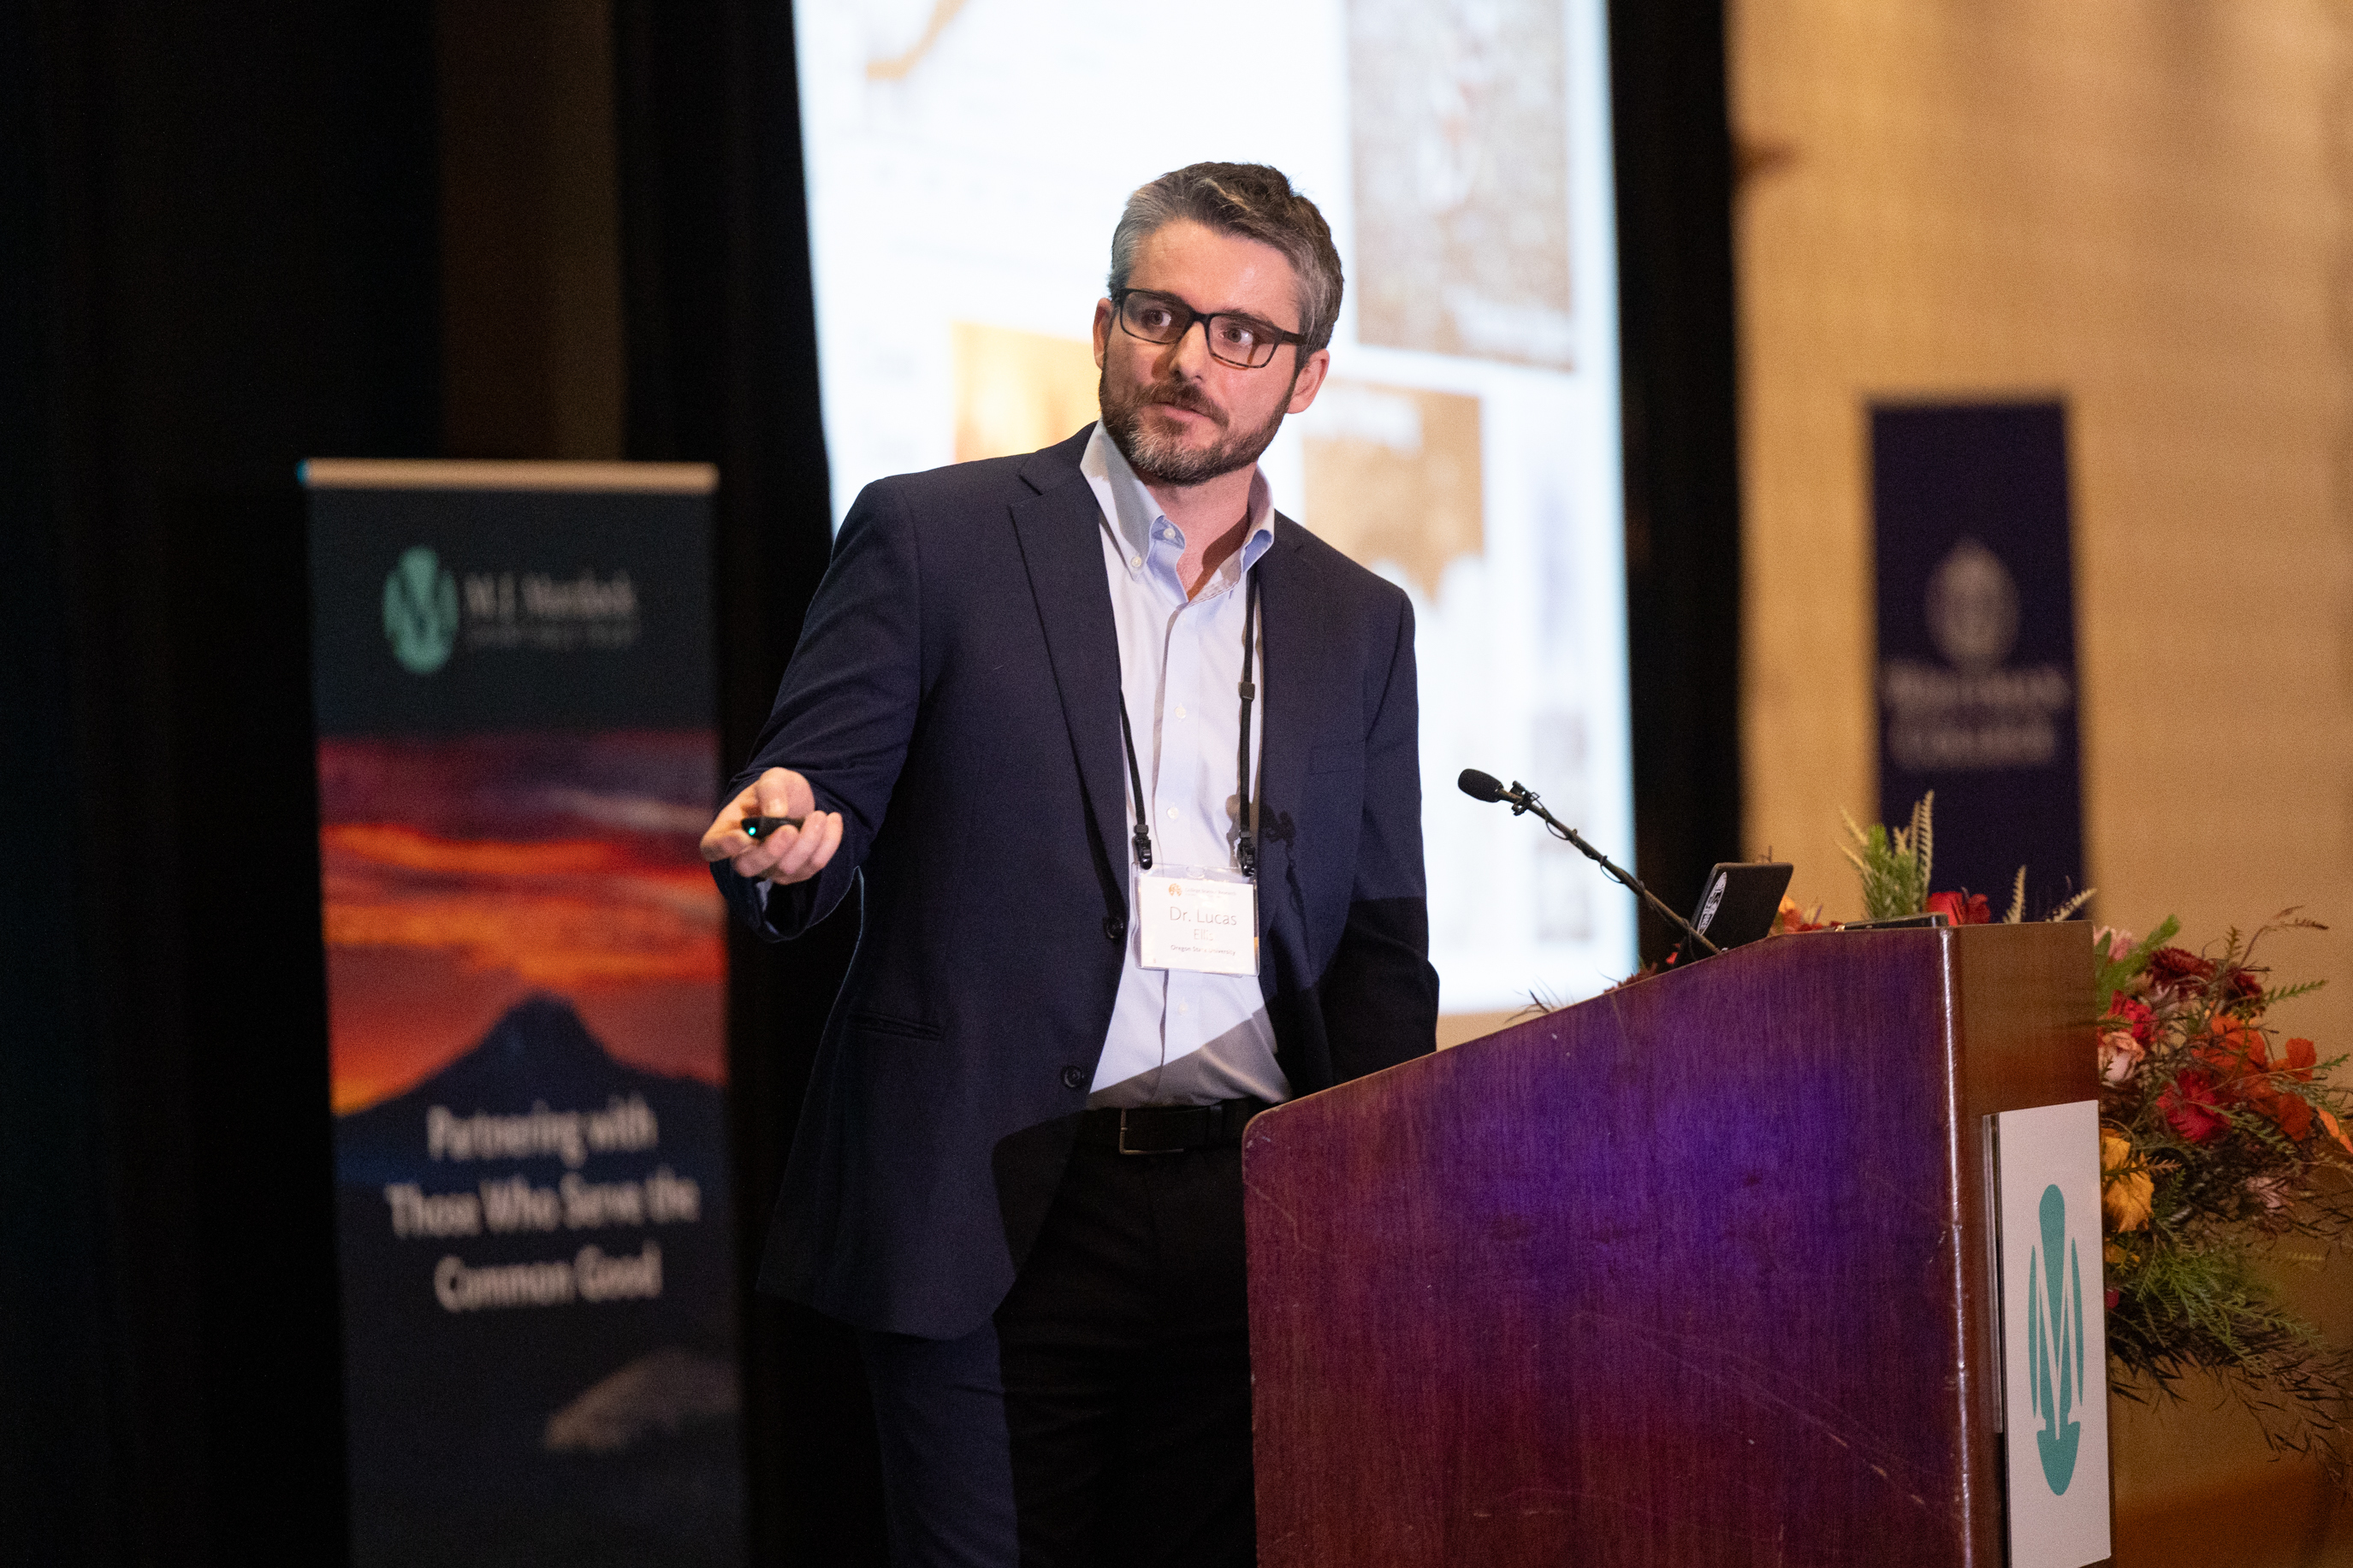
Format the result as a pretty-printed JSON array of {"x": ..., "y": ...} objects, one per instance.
[{"x": 466, "y": 873}]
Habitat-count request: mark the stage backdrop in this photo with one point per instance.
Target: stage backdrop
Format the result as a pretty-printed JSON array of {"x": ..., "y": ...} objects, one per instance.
[
  {"x": 1976, "y": 642},
  {"x": 517, "y": 754},
  {"x": 966, "y": 166}
]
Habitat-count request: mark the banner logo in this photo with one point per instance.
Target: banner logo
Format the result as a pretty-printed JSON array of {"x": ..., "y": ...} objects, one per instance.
[
  {"x": 2054, "y": 1327},
  {"x": 420, "y": 611},
  {"x": 1973, "y": 608},
  {"x": 1975, "y": 713}
]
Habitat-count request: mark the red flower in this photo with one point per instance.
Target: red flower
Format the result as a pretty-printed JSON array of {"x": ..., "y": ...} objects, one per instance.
[
  {"x": 2135, "y": 1015},
  {"x": 1961, "y": 909},
  {"x": 2176, "y": 965},
  {"x": 2192, "y": 1106}
]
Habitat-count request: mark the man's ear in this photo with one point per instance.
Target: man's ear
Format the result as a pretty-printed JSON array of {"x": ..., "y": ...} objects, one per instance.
[
  {"x": 1308, "y": 381},
  {"x": 1103, "y": 330}
]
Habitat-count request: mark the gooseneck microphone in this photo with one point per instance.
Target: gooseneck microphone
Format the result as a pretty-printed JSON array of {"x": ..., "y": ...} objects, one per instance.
[
  {"x": 1486, "y": 787},
  {"x": 1482, "y": 786}
]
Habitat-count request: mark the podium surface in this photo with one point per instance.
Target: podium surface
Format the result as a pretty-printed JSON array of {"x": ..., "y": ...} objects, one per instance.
[{"x": 1693, "y": 1273}]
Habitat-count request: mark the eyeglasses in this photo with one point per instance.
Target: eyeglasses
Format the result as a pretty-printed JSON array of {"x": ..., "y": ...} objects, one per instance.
[{"x": 1243, "y": 342}]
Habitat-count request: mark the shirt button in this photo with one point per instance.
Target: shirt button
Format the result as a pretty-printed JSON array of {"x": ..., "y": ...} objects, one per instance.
[
  {"x": 1074, "y": 1078},
  {"x": 1180, "y": 1009},
  {"x": 1133, "y": 562},
  {"x": 1172, "y": 813},
  {"x": 1115, "y": 927},
  {"x": 1180, "y": 711}
]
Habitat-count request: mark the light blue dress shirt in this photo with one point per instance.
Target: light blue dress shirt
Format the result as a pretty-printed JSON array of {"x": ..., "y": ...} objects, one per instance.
[{"x": 1178, "y": 1038}]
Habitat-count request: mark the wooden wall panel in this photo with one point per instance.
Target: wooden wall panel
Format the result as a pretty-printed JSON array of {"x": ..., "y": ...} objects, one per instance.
[
  {"x": 2141, "y": 207},
  {"x": 2138, "y": 207}
]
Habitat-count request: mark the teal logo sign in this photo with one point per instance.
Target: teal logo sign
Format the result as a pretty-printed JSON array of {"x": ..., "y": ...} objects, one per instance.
[
  {"x": 420, "y": 611},
  {"x": 2054, "y": 1344}
]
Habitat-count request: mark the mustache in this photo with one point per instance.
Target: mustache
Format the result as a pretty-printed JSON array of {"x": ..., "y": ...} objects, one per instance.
[{"x": 1182, "y": 396}]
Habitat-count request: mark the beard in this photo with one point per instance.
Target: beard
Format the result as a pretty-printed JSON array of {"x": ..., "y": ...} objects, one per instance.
[{"x": 1165, "y": 459}]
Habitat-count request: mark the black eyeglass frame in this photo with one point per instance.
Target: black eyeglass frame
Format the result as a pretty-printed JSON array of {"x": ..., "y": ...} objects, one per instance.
[{"x": 1208, "y": 320}]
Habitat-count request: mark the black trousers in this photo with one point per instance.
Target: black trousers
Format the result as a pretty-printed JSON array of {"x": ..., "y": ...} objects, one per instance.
[{"x": 1102, "y": 1417}]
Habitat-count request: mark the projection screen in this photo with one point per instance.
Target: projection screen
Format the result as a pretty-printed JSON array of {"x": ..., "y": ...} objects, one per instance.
[{"x": 967, "y": 161}]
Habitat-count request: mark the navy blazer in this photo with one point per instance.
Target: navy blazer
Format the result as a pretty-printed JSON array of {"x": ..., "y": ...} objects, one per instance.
[{"x": 954, "y": 696}]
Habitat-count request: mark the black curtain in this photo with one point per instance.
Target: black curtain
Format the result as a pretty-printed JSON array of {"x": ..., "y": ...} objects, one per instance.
[
  {"x": 218, "y": 234},
  {"x": 722, "y": 369},
  {"x": 1682, "y": 481}
]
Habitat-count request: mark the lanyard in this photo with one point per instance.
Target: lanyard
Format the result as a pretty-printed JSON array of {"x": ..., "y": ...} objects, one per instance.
[{"x": 1246, "y": 844}]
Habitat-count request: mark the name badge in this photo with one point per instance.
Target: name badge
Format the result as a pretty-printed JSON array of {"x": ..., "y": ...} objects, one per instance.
[{"x": 1201, "y": 920}]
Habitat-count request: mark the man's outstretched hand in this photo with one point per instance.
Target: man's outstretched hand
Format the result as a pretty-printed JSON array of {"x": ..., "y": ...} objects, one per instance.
[{"x": 787, "y": 855}]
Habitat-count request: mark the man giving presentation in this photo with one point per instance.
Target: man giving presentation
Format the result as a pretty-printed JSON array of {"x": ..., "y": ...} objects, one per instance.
[{"x": 1127, "y": 762}]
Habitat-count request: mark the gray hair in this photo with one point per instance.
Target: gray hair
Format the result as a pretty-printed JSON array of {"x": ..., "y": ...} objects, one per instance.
[{"x": 1256, "y": 202}]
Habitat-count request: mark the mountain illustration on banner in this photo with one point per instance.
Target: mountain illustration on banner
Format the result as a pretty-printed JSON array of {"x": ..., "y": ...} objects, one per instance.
[
  {"x": 538, "y": 1053},
  {"x": 537, "y": 1270}
]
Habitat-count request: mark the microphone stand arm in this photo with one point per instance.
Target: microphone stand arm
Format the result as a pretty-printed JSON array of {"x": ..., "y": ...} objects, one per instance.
[{"x": 1526, "y": 800}]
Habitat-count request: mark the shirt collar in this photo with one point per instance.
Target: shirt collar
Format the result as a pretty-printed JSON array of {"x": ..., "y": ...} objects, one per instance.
[{"x": 1132, "y": 514}]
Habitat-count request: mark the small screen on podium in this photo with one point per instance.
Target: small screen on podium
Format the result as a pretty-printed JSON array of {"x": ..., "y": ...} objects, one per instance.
[{"x": 967, "y": 162}]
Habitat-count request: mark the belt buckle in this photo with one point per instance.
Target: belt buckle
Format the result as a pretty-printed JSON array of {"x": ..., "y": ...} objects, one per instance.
[{"x": 1123, "y": 1139}]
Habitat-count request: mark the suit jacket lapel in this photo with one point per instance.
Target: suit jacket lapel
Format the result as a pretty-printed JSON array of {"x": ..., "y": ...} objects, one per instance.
[
  {"x": 1296, "y": 681},
  {"x": 1058, "y": 529}
]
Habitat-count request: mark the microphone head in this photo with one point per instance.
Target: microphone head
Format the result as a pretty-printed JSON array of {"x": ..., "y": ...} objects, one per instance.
[{"x": 1480, "y": 786}]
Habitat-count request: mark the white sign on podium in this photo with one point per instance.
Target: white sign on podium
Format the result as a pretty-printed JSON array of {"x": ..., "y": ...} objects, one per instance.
[{"x": 2053, "y": 1327}]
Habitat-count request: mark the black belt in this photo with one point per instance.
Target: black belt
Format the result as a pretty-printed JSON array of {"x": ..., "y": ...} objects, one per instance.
[{"x": 1167, "y": 1129}]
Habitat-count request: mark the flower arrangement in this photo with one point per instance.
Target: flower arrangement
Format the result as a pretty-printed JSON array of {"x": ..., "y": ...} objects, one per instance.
[
  {"x": 2217, "y": 1144},
  {"x": 1894, "y": 865}
]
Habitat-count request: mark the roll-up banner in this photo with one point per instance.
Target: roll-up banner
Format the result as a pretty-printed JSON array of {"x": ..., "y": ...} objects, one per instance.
[
  {"x": 1976, "y": 642},
  {"x": 526, "y": 967}
]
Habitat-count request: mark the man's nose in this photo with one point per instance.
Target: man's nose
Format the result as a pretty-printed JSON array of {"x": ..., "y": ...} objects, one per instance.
[{"x": 1183, "y": 355}]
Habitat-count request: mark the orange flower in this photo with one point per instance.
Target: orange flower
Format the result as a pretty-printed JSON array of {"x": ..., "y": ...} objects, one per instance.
[
  {"x": 1794, "y": 917},
  {"x": 2234, "y": 1048},
  {"x": 2126, "y": 1189},
  {"x": 2336, "y": 1131},
  {"x": 2301, "y": 1056},
  {"x": 2291, "y": 1111},
  {"x": 2247, "y": 1070}
]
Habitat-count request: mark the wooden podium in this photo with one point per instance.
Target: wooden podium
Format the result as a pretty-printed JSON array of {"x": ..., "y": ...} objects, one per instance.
[{"x": 1694, "y": 1273}]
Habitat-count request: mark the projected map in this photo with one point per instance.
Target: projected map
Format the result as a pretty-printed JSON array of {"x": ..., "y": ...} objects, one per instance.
[{"x": 967, "y": 161}]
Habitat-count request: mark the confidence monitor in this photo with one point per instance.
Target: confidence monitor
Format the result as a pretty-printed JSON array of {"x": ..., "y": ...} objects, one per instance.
[{"x": 1737, "y": 905}]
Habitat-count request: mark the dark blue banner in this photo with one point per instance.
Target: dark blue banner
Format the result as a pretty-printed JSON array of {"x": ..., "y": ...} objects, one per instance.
[
  {"x": 526, "y": 976},
  {"x": 1976, "y": 682}
]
